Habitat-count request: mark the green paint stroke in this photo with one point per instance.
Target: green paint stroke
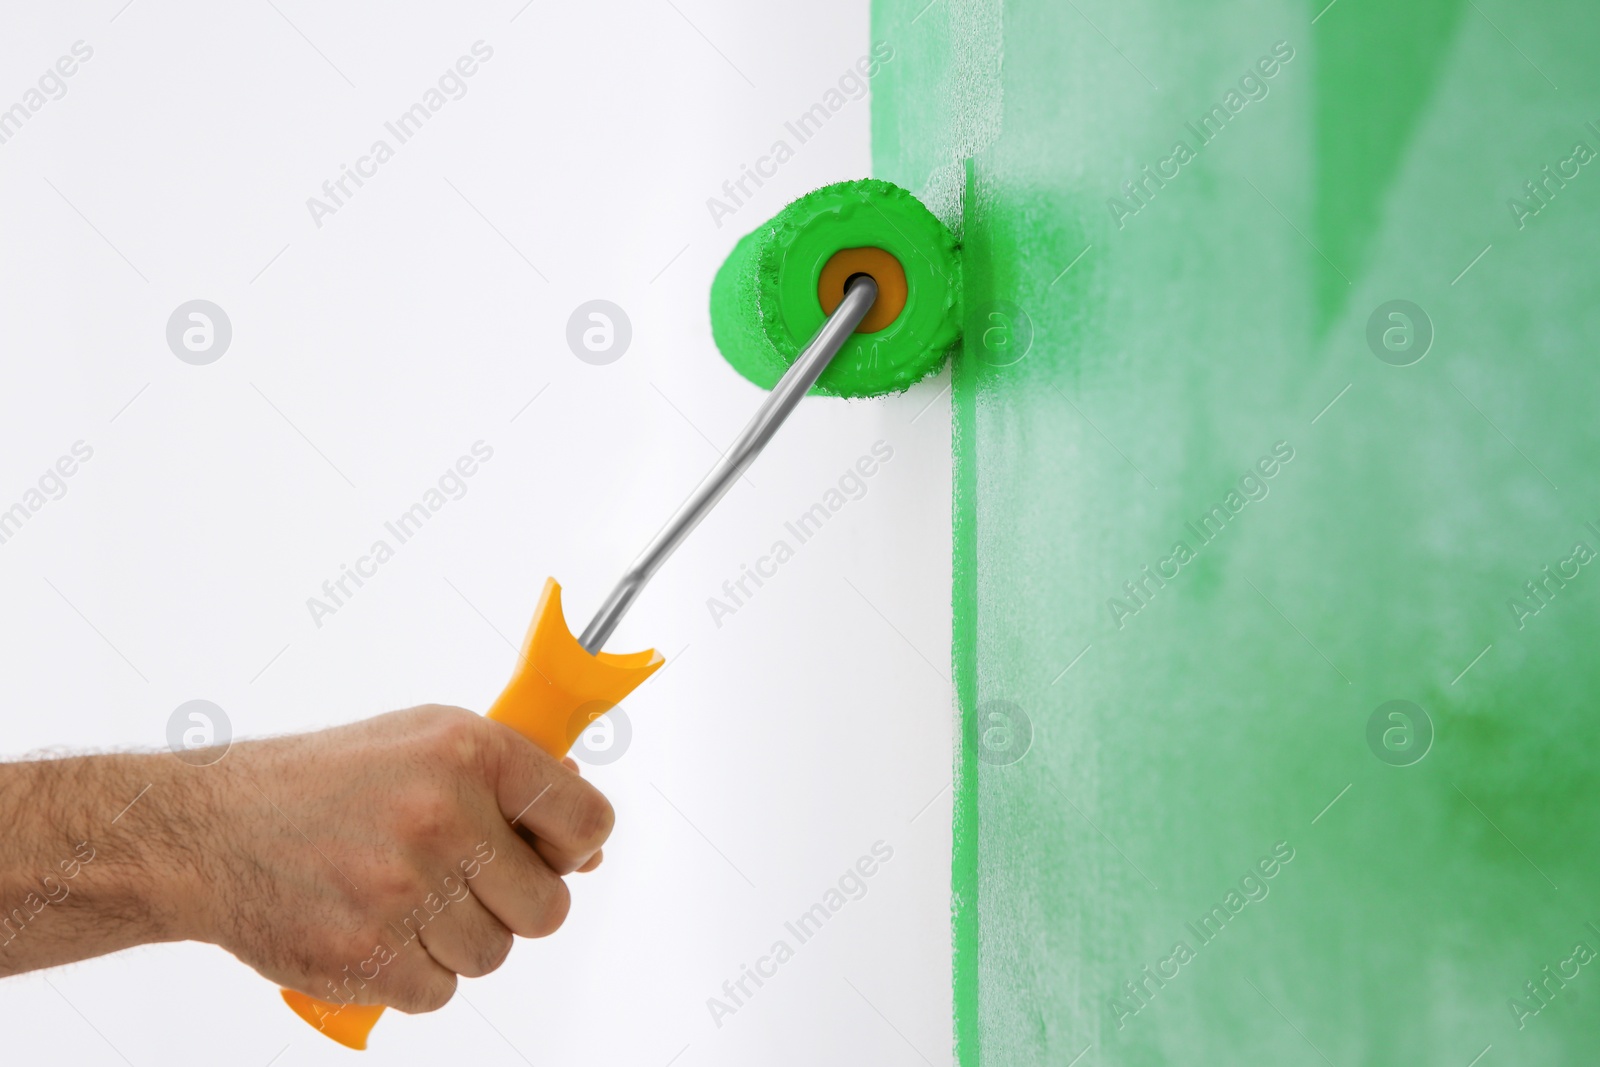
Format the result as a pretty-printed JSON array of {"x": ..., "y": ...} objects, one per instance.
[
  {"x": 1375, "y": 78},
  {"x": 1352, "y": 532},
  {"x": 964, "y": 881}
]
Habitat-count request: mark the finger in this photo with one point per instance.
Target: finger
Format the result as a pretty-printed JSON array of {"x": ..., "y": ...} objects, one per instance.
[
  {"x": 532, "y": 842},
  {"x": 413, "y": 981},
  {"x": 571, "y": 764},
  {"x": 568, "y": 816},
  {"x": 398, "y": 973},
  {"x": 519, "y": 888},
  {"x": 464, "y": 937}
]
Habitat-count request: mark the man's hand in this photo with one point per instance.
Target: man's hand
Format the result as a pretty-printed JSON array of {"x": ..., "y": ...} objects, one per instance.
[{"x": 371, "y": 863}]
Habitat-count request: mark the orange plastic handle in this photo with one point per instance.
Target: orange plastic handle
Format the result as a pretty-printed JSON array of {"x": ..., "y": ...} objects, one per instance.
[{"x": 556, "y": 691}]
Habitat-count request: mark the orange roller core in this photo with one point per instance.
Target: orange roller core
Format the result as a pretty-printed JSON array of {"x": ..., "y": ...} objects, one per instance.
[{"x": 884, "y": 269}]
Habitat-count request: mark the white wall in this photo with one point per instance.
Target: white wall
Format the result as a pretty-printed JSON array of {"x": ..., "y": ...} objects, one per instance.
[{"x": 367, "y": 355}]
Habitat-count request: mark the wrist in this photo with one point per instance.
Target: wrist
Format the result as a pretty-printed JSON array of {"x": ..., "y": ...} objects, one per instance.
[
  {"x": 177, "y": 857},
  {"x": 153, "y": 850}
]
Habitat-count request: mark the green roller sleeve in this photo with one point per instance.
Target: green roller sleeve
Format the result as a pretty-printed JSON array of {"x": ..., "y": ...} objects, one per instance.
[{"x": 765, "y": 305}]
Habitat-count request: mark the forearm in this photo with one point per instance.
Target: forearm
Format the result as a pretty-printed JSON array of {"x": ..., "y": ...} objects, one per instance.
[
  {"x": 97, "y": 853},
  {"x": 372, "y": 862}
]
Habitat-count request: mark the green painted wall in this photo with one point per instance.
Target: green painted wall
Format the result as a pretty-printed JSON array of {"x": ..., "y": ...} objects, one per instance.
[{"x": 1188, "y": 736}]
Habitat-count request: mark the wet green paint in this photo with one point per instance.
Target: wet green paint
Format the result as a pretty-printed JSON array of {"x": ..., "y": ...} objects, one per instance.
[
  {"x": 764, "y": 301},
  {"x": 1381, "y": 523},
  {"x": 1364, "y": 124}
]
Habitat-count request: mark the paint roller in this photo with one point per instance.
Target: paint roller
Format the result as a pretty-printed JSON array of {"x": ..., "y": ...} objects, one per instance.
[{"x": 853, "y": 290}]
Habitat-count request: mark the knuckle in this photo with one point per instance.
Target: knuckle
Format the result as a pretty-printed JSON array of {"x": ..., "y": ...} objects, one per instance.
[
  {"x": 427, "y": 813},
  {"x": 455, "y": 737},
  {"x": 551, "y": 911},
  {"x": 350, "y": 944},
  {"x": 436, "y": 734},
  {"x": 424, "y": 993},
  {"x": 355, "y": 949},
  {"x": 592, "y": 820},
  {"x": 527, "y": 918},
  {"x": 446, "y": 709},
  {"x": 491, "y": 952},
  {"x": 338, "y": 982},
  {"x": 390, "y": 881}
]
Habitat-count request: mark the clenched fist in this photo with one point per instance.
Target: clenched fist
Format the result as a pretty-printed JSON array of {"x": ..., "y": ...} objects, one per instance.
[{"x": 371, "y": 863}]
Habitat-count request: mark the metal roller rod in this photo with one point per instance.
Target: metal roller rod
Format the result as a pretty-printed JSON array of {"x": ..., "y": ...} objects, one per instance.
[{"x": 859, "y": 295}]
